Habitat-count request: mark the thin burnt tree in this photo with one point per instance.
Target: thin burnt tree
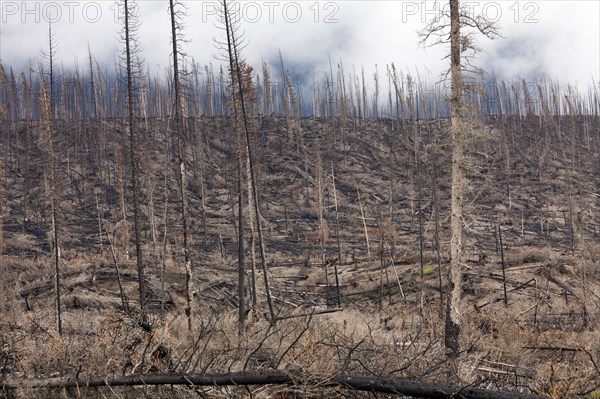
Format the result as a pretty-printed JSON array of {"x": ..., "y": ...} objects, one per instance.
[
  {"x": 133, "y": 67},
  {"x": 231, "y": 47},
  {"x": 176, "y": 13},
  {"x": 48, "y": 142}
]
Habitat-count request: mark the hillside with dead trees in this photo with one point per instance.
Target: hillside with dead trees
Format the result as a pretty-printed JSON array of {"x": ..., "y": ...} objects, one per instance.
[
  {"x": 215, "y": 233},
  {"x": 357, "y": 269}
]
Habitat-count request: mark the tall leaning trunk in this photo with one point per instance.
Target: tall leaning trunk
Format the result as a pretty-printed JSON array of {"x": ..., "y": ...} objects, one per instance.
[
  {"x": 236, "y": 80},
  {"x": 181, "y": 169},
  {"x": 241, "y": 257},
  {"x": 453, "y": 315},
  {"x": 237, "y": 101}
]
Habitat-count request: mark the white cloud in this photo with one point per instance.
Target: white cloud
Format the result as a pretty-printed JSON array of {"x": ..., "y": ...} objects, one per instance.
[{"x": 564, "y": 42}]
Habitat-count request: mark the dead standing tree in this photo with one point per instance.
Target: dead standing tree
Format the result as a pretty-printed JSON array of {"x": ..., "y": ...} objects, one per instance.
[
  {"x": 48, "y": 108},
  {"x": 176, "y": 12},
  {"x": 231, "y": 47},
  {"x": 464, "y": 27},
  {"x": 133, "y": 66},
  {"x": 226, "y": 49}
]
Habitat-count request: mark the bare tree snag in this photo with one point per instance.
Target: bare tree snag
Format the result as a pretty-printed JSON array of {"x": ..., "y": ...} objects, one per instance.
[
  {"x": 231, "y": 47},
  {"x": 453, "y": 314},
  {"x": 337, "y": 237},
  {"x": 461, "y": 45},
  {"x": 92, "y": 84},
  {"x": 252, "y": 241},
  {"x": 436, "y": 211},
  {"x": 364, "y": 222},
  {"x": 503, "y": 266},
  {"x": 49, "y": 125},
  {"x": 130, "y": 25},
  {"x": 322, "y": 227},
  {"x": 180, "y": 138},
  {"x": 236, "y": 102}
]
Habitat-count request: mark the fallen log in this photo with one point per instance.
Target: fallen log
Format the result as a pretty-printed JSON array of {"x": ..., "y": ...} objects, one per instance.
[
  {"x": 191, "y": 379},
  {"x": 418, "y": 389},
  {"x": 388, "y": 385}
]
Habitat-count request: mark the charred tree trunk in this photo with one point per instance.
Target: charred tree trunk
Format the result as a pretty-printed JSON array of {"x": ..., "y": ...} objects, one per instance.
[
  {"x": 49, "y": 124},
  {"x": 180, "y": 138},
  {"x": 235, "y": 65},
  {"x": 134, "y": 156},
  {"x": 388, "y": 385}
]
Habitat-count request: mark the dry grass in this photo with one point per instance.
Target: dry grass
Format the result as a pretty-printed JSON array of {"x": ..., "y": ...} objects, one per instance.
[{"x": 521, "y": 345}]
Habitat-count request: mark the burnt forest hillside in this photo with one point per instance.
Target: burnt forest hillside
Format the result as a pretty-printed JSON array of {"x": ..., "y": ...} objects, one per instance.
[{"x": 355, "y": 217}]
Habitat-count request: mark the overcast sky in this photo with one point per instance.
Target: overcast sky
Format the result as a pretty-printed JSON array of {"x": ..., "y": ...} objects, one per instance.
[{"x": 560, "y": 39}]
